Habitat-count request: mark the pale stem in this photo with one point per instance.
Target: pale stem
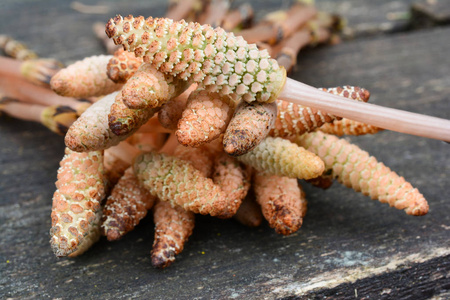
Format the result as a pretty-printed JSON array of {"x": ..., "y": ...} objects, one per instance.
[
  {"x": 295, "y": 42},
  {"x": 170, "y": 145},
  {"x": 10, "y": 67},
  {"x": 215, "y": 12},
  {"x": 180, "y": 10},
  {"x": 388, "y": 118},
  {"x": 286, "y": 53},
  {"x": 297, "y": 16},
  {"x": 237, "y": 16},
  {"x": 153, "y": 126},
  {"x": 125, "y": 152},
  {"x": 260, "y": 32},
  {"x": 185, "y": 95},
  {"x": 23, "y": 111},
  {"x": 154, "y": 140},
  {"x": 25, "y": 91}
]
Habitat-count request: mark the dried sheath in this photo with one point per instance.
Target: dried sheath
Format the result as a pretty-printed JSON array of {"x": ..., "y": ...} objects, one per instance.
[
  {"x": 125, "y": 207},
  {"x": 40, "y": 71},
  {"x": 76, "y": 210},
  {"x": 323, "y": 181},
  {"x": 56, "y": 118},
  {"x": 211, "y": 57},
  {"x": 85, "y": 78},
  {"x": 356, "y": 169},
  {"x": 16, "y": 49},
  {"x": 280, "y": 157}
]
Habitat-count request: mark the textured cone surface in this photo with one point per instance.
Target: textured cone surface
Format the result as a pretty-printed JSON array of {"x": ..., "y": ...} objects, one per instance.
[
  {"x": 76, "y": 209},
  {"x": 125, "y": 207},
  {"x": 211, "y": 57},
  {"x": 180, "y": 183},
  {"x": 277, "y": 156},
  {"x": 205, "y": 117},
  {"x": 233, "y": 179},
  {"x": 171, "y": 113},
  {"x": 350, "y": 92},
  {"x": 293, "y": 119},
  {"x": 91, "y": 131},
  {"x": 122, "y": 66},
  {"x": 149, "y": 88},
  {"x": 250, "y": 124},
  {"x": 124, "y": 121},
  {"x": 173, "y": 226},
  {"x": 282, "y": 202},
  {"x": 349, "y": 127},
  {"x": 358, "y": 170},
  {"x": 85, "y": 78},
  {"x": 199, "y": 157}
]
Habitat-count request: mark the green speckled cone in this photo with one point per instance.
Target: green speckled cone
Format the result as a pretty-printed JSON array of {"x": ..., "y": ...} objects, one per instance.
[{"x": 217, "y": 60}]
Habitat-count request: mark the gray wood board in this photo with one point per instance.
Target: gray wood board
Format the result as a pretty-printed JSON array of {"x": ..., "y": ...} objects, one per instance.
[
  {"x": 345, "y": 236},
  {"x": 428, "y": 280},
  {"x": 47, "y": 25},
  {"x": 430, "y": 13}
]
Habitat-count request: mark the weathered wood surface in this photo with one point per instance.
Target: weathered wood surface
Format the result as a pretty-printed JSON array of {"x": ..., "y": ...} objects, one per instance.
[
  {"x": 347, "y": 241},
  {"x": 419, "y": 281},
  {"x": 430, "y": 13}
]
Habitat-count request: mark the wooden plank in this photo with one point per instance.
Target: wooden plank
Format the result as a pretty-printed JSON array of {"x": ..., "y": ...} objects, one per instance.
[
  {"x": 345, "y": 236},
  {"x": 362, "y": 17},
  {"x": 54, "y": 17},
  {"x": 367, "y": 17},
  {"x": 430, "y": 13},
  {"x": 400, "y": 285}
]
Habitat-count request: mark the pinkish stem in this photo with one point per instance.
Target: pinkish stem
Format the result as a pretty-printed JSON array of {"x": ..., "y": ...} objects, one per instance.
[{"x": 388, "y": 118}]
